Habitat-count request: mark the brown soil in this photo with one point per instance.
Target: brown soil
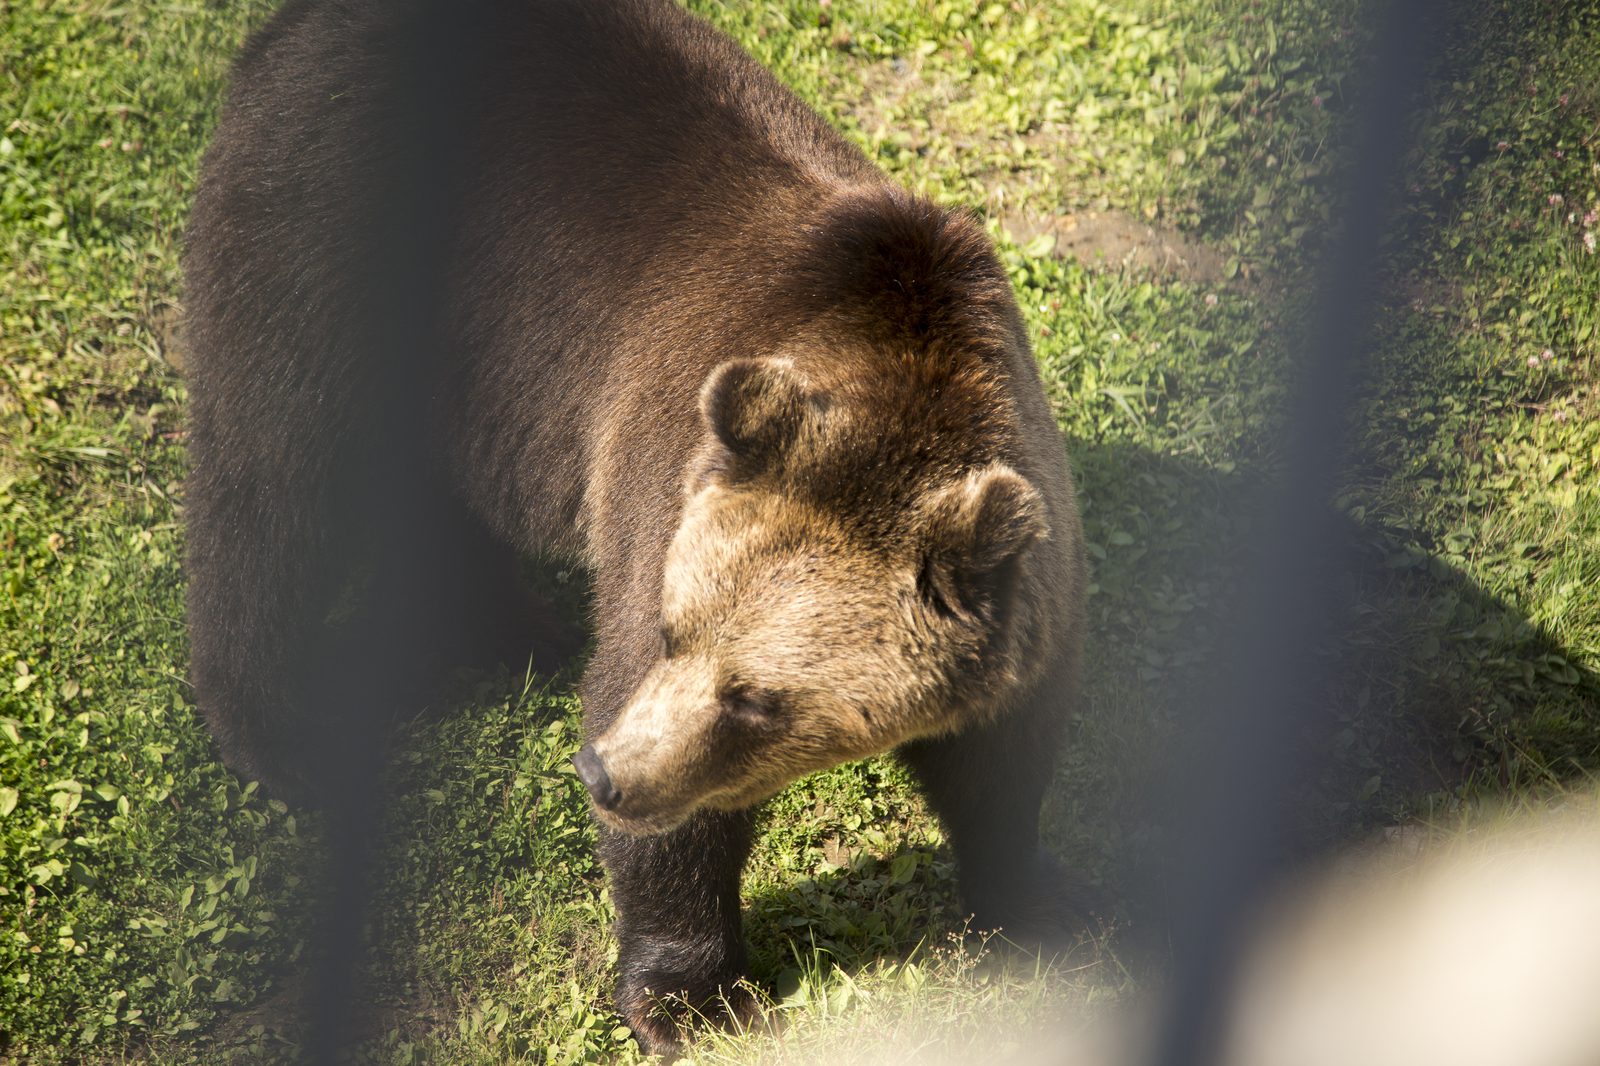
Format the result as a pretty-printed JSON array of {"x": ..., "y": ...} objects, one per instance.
[
  {"x": 1111, "y": 240},
  {"x": 165, "y": 323}
]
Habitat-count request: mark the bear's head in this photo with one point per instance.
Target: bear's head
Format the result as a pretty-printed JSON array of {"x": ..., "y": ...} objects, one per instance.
[{"x": 836, "y": 587}]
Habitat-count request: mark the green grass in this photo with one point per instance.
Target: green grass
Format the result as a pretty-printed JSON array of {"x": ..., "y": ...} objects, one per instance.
[
  {"x": 1477, "y": 432},
  {"x": 156, "y": 909}
]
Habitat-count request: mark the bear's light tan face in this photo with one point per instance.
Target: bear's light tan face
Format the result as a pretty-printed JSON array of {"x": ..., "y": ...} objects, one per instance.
[
  {"x": 787, "y": 651},
  {"x": 799, "y": 632}
]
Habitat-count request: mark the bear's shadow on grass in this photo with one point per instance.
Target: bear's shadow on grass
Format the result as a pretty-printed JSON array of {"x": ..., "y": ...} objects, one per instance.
[
  {"x": 1455, "y": 691},
  {"x": 1426, "y": 691}
]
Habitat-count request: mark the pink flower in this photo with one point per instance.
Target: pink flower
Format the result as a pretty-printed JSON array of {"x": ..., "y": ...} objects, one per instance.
[
  {"x": 1588, "y": 240},
  {"x": 1563, "y": 99},
  {"x": 1502, "y": 146},
  {"x": 1559, "y": 416},
  {"x": 1211, "y": 299},
  {"x": 1533, "y": 360},
  {"x": 1555, "y": 199},
  {"x": 1316, "y": 101},
  {"x": 1589, "y": 219},
  {"x": 1547, "y": 355}
]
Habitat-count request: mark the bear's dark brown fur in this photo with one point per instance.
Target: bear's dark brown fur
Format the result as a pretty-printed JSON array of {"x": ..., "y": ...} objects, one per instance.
[{"x": 785, "y": 410}]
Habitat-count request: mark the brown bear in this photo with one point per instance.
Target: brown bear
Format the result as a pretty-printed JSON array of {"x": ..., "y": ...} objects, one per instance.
[{"x": 786, "y": 412}]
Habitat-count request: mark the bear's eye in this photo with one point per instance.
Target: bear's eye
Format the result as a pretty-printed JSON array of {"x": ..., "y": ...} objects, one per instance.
[
  {"x": 928, "y": 588},
  {"x": 752, "y": 706}
]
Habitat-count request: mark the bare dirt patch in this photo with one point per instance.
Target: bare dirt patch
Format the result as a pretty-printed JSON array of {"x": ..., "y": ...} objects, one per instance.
[
  {"x": 1113, "y": 240},
  {"x": 165, "y": 324}
]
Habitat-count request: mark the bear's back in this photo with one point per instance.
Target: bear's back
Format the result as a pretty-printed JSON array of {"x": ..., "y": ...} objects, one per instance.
[{"x": 619, "y": 170}]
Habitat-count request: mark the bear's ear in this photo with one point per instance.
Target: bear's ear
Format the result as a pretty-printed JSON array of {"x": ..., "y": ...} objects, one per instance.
[
  {"x": 755, "y": 407},
  {"x": 976, "y": 531}
]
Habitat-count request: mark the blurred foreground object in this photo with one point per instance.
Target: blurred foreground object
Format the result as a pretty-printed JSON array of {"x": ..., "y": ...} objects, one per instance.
[{"x": 1478, "y": 949}]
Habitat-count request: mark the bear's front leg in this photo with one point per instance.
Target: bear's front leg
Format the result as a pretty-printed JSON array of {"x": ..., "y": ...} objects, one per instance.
[
  {"x": 679, "y": 929},
  {"x": 986, "y": 785}
]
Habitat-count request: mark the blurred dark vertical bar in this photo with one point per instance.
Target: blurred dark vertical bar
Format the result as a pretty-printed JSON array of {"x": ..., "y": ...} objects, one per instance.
[
  {"x": 428, "y": 126},
  {"x": 1250, "y": 754}
]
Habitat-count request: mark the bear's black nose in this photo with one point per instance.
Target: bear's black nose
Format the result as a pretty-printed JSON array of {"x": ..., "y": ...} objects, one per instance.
[{"x": 592, "y": 772}]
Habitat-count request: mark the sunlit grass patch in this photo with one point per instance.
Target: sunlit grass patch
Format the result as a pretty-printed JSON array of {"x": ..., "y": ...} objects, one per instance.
[{"x": 962, "y": 999}]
